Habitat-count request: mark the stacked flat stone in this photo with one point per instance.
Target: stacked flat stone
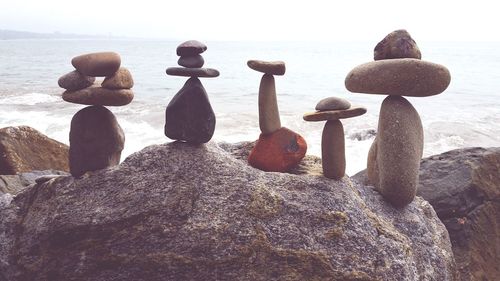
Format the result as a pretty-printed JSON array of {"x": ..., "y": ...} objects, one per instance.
[
  {"x": 189, "y": 117},
  {"x": 394, "y": 157},
  {"x": 96, "y": 139},
  {"x": 331, "y": 110},
  {"x": 278, "y": 149}
]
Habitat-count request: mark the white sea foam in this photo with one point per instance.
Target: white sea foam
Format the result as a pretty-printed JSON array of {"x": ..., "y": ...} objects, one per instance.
[{"x": 28, "y": 99}]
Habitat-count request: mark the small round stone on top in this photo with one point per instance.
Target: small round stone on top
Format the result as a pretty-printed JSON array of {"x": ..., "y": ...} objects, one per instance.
[
  {"x": 333, "y": 103},
  {"x": 191, "y": 48},
  {"x": 268, "y": 67}
]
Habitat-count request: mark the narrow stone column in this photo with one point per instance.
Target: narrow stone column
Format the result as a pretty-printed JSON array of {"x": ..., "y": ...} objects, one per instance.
[
  {"x": 333, "y": 150},
  {"x": 269, "y": 116}
]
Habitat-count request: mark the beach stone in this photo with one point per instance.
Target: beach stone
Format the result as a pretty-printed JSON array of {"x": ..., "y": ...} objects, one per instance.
[
  {"x": 96, "y": 95},
  {"x": 74, "y": 81},
  {"x": 333, "y": 150},
  {"x": 189, "y": 115},
  {"x": 194, "y": 61},
  {"x": 193, "y": 72},
  {"x": 278, "y": 152},
  {"x": 24, "y": 149},
  {"x": 268, "y": 67},
  {"x": 396, "y": 45},
  {"x": 269, "y": 116},
  {"x": 333, "y": 103},
  {"x": 335, "y": 114},
  {"x": 97, "y": 64},
  {"x": 96, "y": 140},
  {"x": 190, "y": 48},
  {"x": 400, "y": 142},
  {"x": 399, "y": 77},
  {"x": 371, "y": 165},
  {"x": 122, "y": 79}
]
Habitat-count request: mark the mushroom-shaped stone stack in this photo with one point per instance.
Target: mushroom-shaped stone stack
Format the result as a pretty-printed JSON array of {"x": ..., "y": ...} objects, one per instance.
[
  {"x": 96, "y": 139},
  {"x": 394, "y": 157},
  {"x": 278, "y": 149},
  {"x": 189, "y": 116},
  {"x": 331, "y": 110}
]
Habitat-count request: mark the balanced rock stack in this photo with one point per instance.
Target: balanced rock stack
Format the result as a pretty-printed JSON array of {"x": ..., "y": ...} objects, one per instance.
[
  {"x": 189, "y": 115},
  {"x": 331, "y": 110},
  {"x": 96, "y": 139},
  {"x": 278, "y": 149},
  {"x": 394, "y": 157}
]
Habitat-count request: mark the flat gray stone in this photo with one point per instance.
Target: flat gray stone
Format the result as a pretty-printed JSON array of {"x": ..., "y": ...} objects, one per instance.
[
  {"x": 97, "y": 64},
  {"x": 96, "y": 95},
  {"x": 335, "y": 114},
  {"x": 268, "y": 67},
  {"x": 193, "y": 72}
]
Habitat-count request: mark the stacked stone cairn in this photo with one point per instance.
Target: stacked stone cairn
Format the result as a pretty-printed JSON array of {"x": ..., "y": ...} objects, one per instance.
[
  {"x": 394, "y": 157},
  {"x": 278, "y": 149},
  {"x": 96, "y": 139},
  {"x": 189, "y": 115},
  {"x": 331, "y": 110}
]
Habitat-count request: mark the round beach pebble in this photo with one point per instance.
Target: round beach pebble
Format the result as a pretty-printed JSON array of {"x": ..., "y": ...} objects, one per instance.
[
  {"x": 334, "y": 114},
  {"x": 122, "y": 79},
  {"x": 195, "y": 61},
  {"x": 278, "y": 152},
  {"x": 97, "y": 64},
  {"x": 193, "y": 72},
  {"x": 190, "y": 48},
  {"x": 75, "y": 81},
  {"x": 399, "y": 77},
  {"x": 268, "y": 67},
  {"x": 96, "y": 140},
  {"x": 99, "y": 96},
  {"x": 333, "y": 103},
  {"x": 400, "y": 142},
  {"x": 397, "y": 45}
]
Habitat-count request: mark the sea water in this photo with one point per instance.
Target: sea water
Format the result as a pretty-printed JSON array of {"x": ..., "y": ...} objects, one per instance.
[{"x": 466, "y": 114}]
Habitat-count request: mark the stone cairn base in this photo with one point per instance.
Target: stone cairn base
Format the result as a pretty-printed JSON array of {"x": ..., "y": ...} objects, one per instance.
[
  {"x": 96, "y": 139},
  {"x": 394, "y": 157}
]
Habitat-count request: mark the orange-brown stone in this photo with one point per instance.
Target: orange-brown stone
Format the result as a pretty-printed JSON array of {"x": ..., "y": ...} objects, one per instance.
[{"x": 278, "y": 151}]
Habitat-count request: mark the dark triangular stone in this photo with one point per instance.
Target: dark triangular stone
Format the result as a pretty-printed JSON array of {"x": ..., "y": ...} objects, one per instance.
[{"x": 189, "y": 115}]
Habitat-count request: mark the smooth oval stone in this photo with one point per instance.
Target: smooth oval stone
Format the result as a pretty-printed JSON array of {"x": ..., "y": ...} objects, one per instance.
[
  {"x": 333, "y": 103},
  {"x": 99, "y": 96},
  {"x": 122, "y": 79},
  {"x": 334, "y": 114},
  {"x": 190, "y": 48},
  {"x": 333, "y": 150},
  {"x": 268, "y": 67},
  {"x": 195, "y": 61},
  {"x": 193, "y": 72},
  {"x": 97, "y": 64},
  {"x": 75, "y": 81},
  {"x": 189, "y": 116},
  {"x": 278, "y": 152},
  {"x": 269, "y": 116},
  {"x": 400, "y": 142},
  {"x": 396, "y": 45},
  {"x": 96, "y": 140},
  {"x": 399, "y": 77}
]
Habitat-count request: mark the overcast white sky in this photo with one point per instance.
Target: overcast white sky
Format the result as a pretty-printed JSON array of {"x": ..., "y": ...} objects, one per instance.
[{"x": 443, "y": 20}]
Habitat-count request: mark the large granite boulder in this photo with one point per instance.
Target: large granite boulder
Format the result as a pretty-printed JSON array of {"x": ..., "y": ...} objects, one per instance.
[
  {"x": 197, "y": 212},
  {"x": 463, "y": 186},
  {"x": 24, "y": 149}
]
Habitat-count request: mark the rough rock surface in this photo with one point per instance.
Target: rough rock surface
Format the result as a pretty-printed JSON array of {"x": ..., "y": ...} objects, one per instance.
[
  {"x": 23, "y": 149},
  {"x": 14, "y": 184},
  {"x": 183, "y": 212},
  {"x": 463, "y": 186}
]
